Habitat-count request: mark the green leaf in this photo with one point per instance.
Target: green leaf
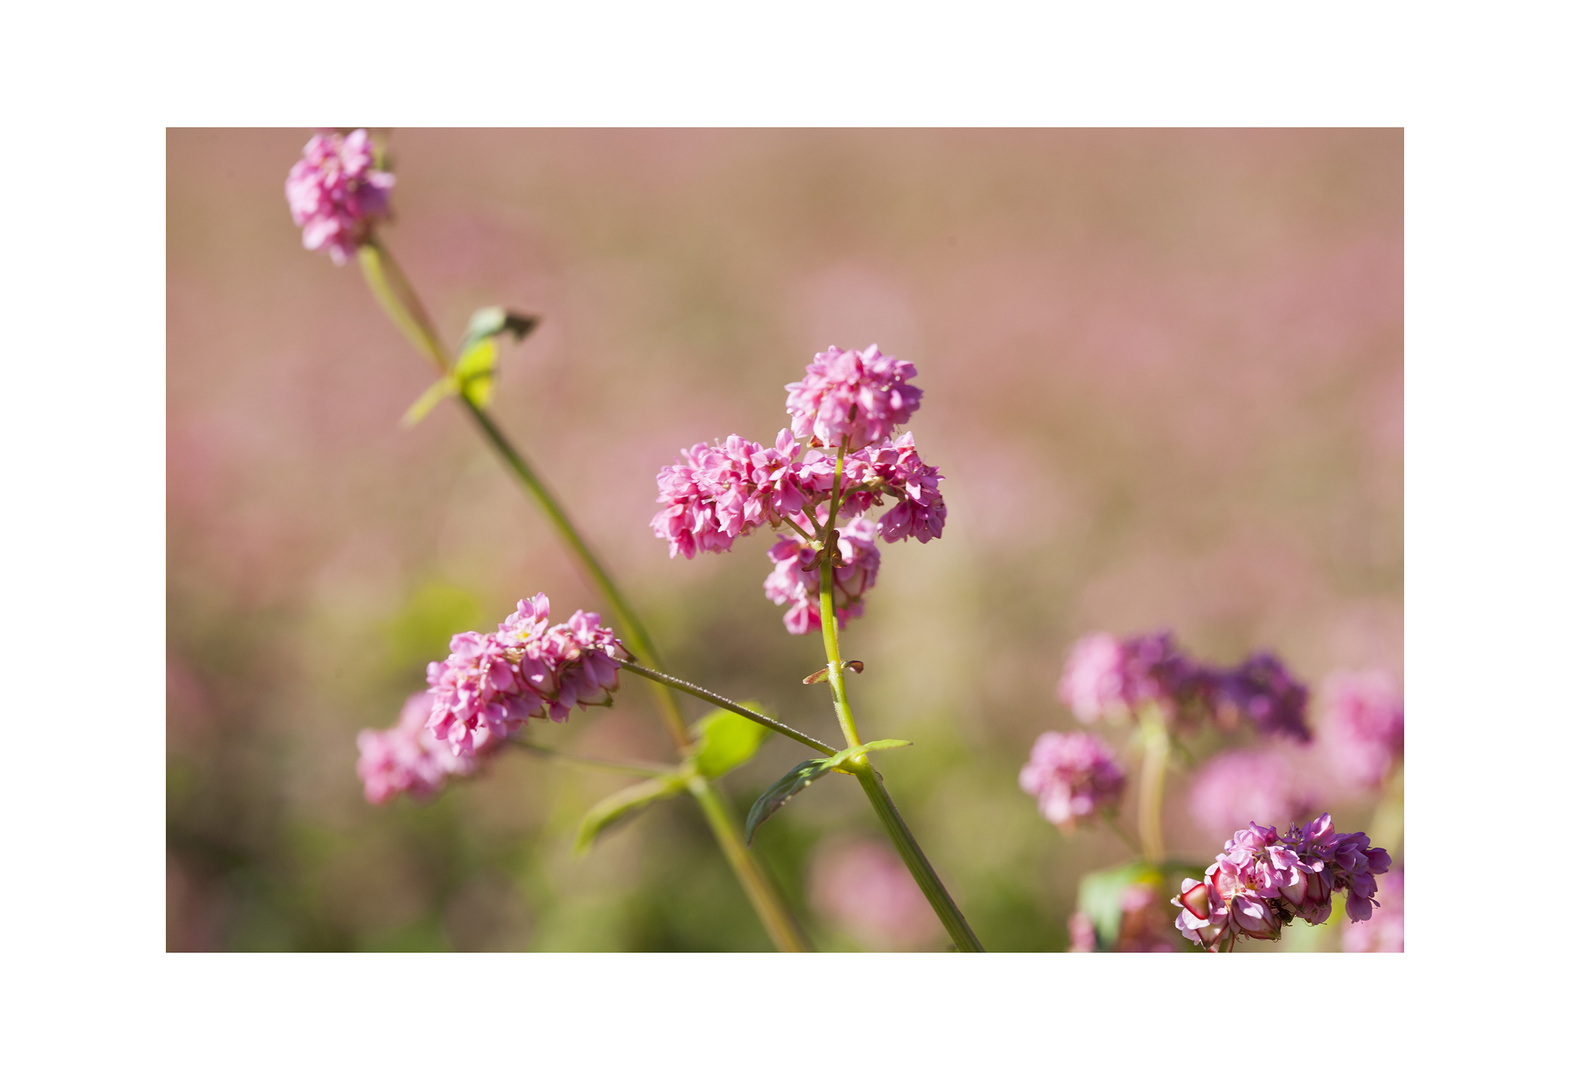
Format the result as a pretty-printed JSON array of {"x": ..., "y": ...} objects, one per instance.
[
  {"x": 608, "y": 811},
  {"x": 801, "y": 777},
  {"x": 723, "y": 741},
  {"x": 1101, "y": 898},
  {"x": 439, "y": 390}
]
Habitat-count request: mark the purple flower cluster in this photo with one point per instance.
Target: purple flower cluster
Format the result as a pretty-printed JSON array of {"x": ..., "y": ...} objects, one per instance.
[
  {"x": 717, "y": 493},
  {"x": 408, "y": 757},
  {"x": 492, "y": 684},
  {"x": 852, "y": 396},
  {"x": 334, "y": 193},
  {"x": 1109, "y": 677},
  {"x": 790, "y": 582},
  {"x": 1073, "y": 775},
  {"x": 1364, "y": 726},
  {"x": 1262, "y": 881}
]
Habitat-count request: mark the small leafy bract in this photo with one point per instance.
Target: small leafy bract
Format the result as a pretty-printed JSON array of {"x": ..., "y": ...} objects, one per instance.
[
  {"x": 723, "y": 741},
  {"x": 613, "y": 808},
  {"x": 801, "y": 776}
]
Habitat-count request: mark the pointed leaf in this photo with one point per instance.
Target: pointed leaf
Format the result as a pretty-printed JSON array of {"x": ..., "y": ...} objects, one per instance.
[
  {"x": 724, "y": 741},
  {"x": 608, "y": 811},
  {"x": 440, "y": 389},
  {"x": 782, "y": 790}
]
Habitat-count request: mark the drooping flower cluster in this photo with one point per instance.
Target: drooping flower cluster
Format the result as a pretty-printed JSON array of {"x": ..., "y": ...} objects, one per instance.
[
  {"x": 1261, "y": 881},
  {"x": 850, "y": 395},
  {"x": 408, "y": 757},
  {"x": 850, "y": 400},
  {"x": 790, "y": 582},
  {"x": 334, "y": 193},
  {"x": 1250, "y": 785},
  {"x": 1364, "y": 726},
  {"x": 1386, "y": 930},
  {"x": 1073, "y": 775},
  {"x": 492, "y": 684},
  {"x": 1142, "y": 928},
  {"x": 1109, "y": 677}
]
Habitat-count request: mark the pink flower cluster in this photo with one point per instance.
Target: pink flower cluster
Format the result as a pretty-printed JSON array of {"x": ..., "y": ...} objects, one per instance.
[
  {"x": 1107, "y": 677},
  {"x": 854, "y": 396},
  {"x": 492, "y": 684},
  {"x": 790, "y": 582},
  {"x": 334, "y": 193},
  {"x": 1073, "y": 775},
  {"x": 716, "y": 493},
  {"x": 1262, "y": 881},
  {"x": 1364, "y": 726},
  {"x": 408, "y": 757},
  {"x": 1250, "y": 785}
]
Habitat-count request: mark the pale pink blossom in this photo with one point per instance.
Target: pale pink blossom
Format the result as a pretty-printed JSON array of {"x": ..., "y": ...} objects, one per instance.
[
  {"x": 792, "y": 582},
  {"x": 866, "y": 889},
  {"x": 1073, "y": 775},
  {"x": 1112, "y": 677},
  {"x": 1364, "y": 726},
  {"x": 854, "y": 396},
  {"x": 1250, "y": 785},
  {"x": 334, "y": 193},
  {"x": 408, "y": 758}
]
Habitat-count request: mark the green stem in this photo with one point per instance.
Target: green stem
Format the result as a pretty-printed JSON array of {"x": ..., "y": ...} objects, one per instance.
[
  {"x": 402, "y": 304},
  {"x": 726, "y": 703},
  {"x": 916, "y": 861},
  {"x": 634, "y": 768},
  {"x": 1152, "y": 780}
]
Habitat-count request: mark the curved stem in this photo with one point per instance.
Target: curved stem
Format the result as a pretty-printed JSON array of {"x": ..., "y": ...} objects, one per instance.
[
  {"x": 1152, "y": 779},
  {"x": 402, "y": 304},
  {"x": 634, "y": 768},
  {"x": 726, "y": 703}
]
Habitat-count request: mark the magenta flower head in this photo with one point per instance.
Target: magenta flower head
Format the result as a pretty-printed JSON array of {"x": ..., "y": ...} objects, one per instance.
[
  {"x": 855, "y": 396},
  {"x": 791, "y": 582},
  {"x": 893, "y": 467},
  {"x": 407, "y": 758},
  {"x": 1073, "y": 775},
  {"x": 1249, "y": 785},
  {"x": 1261, "y": 881},
  {"x": 1264, "y": 692},
  {"x": 1364, "y": 725},
  {"x": 1108, "y": 677},
  {"x": 711, "y": 499},
  {"x": 335, "y": 195},
  {"x": 492, "y": 684}
]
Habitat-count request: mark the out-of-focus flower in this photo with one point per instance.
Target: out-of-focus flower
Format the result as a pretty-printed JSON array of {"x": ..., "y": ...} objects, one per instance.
[
  {"x": 856, "y": 395},
  {"x": 1264, "y": 692},
  {"x": 335, "y": 195},
  {"x": 1261, "y": 881},
  {"x": 1364, "y": 726},
  {"x": 1107, "y": 676},
  {"x": 1249, "y": 785},
  {"x": 790, "y": 582},
  {"x": 1385, "y": 930},
  {"x": 491, "y": 684},
  {"x": 864, "y": 887},
  {"x": 1073, "y": 775},
  {"x": 408, "y": 757},
  {"x": 1142, "y": 928}
]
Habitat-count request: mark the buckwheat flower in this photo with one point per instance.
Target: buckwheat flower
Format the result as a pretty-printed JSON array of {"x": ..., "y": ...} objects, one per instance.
[
  {"x": 893, "y": 467},
  {"x": 1261, "y": 881},
  {"x": 585, "y": 659},
  {"x": 1364, "y": 725},
  {"x": 711, "y": 499},
  {"x": 335, "y": 195},
  {"x": 1249, "y": 785},
  {"x": 1111, "y": 677},
  {"x": 865, "y": 888},
  {"x": 1264, "y": 692},
  {"x": 859, "y": 396},
  {"x": 1385, "y": 930},
  {"x": 478, "y": 688},
  {"x": 790, "y": 582},
  {"x": 1073, "y": 775},
  {"x": 408, "y": 758}
]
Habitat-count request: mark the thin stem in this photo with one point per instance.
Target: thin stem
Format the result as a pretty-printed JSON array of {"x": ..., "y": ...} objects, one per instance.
[
  {"x": 805, "y": 535},
  {"x": 726, "y": 703},
  {"x": 402, "y": 304},
  {"x": 634, "y": 768},
  {"x": 1152, "y": 779},
  {"x": 948, "y": 912}
]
